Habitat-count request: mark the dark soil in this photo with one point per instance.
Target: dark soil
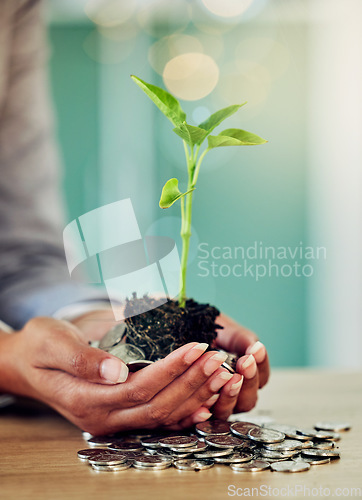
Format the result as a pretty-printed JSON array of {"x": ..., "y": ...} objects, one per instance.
[{"x": 166, "y": 327}]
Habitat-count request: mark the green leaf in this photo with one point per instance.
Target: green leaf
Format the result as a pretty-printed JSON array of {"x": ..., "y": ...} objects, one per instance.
[
  {"x": 166, "y": 102},
  {"x": 215, "y": 119},
  {"x": 234, "y": 137},
  {"x": 192, "y": 135},
  {"x": 171, "y": 193}
]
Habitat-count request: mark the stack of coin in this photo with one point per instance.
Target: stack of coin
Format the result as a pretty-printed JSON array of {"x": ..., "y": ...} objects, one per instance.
[{"x": 242, "y": 446}]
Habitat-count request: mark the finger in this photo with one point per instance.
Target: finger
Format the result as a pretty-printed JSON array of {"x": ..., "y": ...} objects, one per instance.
[
  {"x": 158, "y": 410},
  {"x": 260, "y": 354},
  {"x": 228, "y": 397},
  {"x": 187, "y": 368},
  {"x": 59, "y": 346},
  {"x": 234, "y": 337},
  {"x": 248, "y": 395},
  {"x": 201, "y": 396},
  {"x": 200, "y": 415}
]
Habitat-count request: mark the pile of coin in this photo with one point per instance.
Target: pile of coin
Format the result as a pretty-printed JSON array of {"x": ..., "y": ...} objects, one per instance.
[{"x": 243, "y": 446}]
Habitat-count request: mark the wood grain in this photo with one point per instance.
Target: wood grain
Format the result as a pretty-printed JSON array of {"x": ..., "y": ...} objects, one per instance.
[{"x": 38, "y": 459}]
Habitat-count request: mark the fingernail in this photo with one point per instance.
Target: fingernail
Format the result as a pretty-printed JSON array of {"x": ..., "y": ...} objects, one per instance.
[
  {"x": 220, "y": 380},
  {"x": 194, "y": 353},
  {"x": 249, "y": 367},
  {"x": 235, "y": 388},
  {"x": 211, "y": 401},
  {"x": 113, "y": 371},
  {"x": 202, "y": 416},
  {"x": 213, "y": 363},
  {"x": 258, "y": 351}
]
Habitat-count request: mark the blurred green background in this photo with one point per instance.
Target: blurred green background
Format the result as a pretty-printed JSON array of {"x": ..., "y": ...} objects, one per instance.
[{"x": 116, "y": 144}]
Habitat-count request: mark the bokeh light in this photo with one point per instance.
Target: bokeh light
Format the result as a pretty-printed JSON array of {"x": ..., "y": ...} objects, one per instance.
[
  {"x": 266, "y": 51},
  {"x": 191, "y": 76},
  {"x": 160, "y": 18},
  {"x": 227, "y": 8},
  {"x": 106, "y": 51},
  {"x": 244, "y": 80},
  {"x": 171, "y": 46},
  {"x": 109, "y": 12}
]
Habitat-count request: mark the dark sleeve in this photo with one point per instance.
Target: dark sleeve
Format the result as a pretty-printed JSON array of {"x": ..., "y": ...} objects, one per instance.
[{"x": 34, "y": 279}]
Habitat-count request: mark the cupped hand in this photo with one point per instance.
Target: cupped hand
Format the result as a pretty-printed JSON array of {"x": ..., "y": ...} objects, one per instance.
[
  {"x": 50, "y": 361},
  {"x": 252, "y": 366}
]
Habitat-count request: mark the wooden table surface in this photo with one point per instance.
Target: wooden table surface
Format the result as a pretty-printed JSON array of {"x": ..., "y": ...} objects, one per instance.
[{"x": 39, "y": 461}]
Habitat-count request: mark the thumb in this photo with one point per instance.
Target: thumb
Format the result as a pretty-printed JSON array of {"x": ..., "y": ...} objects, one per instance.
[{"x": 62, "y": 347}]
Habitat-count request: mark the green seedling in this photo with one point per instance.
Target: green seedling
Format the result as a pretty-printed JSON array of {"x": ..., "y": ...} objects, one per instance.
[{"x": 193, "y": 138}]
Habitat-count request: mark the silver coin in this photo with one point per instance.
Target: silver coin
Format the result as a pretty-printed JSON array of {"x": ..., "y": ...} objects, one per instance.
[
  {"x": 313, "y": 433},
  {"x": 221, "y": 452},
  {"x": 253, "y": 466},
  {"x": 113, "y": 337},
  {"x": 100, "y": 441},
  {"x": 287, "y": 444},
  {"x": 278, "y": 454},
  {"x": 241, "y": 429},
  {"x": 88, "y": 452},
  {"x": 86, "y": 435},
  {"x": 152, "y": 460},
  {"x": 193, "y": 465},
  {"x": 289, "y": 466},
  {"x": 151, "y": 442},
  {"x": 219, "y": 427},
  {"x": 112, "y": 468},
  {"x": 107, "y": 457},
  {"x": 224, "y": 441},
  {"x": 312, "y": 452},
  {"x": 263, "y": 435},
  {"x": 127, "y": 352},
  {"x": 334, "y": 426},
  {"x": 307, "y": 444},
  {"x": 323, "y": 445},
  {"x": 154, "y": 468},
  {"x": 134, "y": 366},
  {"x": 235, "y": 458},
  {"x": 126, "y": 446},
  {"x": 201, "y": 446},
  {"x": 178, "y": 442},
  {"x": 290, "y": 431},
  {"x": 314, "y": 461}
]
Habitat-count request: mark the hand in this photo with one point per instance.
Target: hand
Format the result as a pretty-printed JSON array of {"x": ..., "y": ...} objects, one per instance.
[
  {"x": 50, "y": 361},
  {"x": 252, "y": 366}
]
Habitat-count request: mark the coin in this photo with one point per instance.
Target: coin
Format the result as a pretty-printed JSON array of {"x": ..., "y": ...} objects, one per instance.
[
  {"x": 253, "y": 466},
  {"x": 221, "y": 427},
  {"x": 112, "y": 468},
  {"x": 152, "y": 460},
  {"x": 234, "y": 458},
  {"x": 312, "y": 452},
  {"x": 127, "y": 352},
  {"x": 107, "y": 457},
  {"x": 221, "y": 452},
  {"x": 178, "y": 441},
  {"x": 332, "y": 426},
  {"x": 323, "y": 445},
  {"x": 307, "y": 444},
  {"x": 287, "y": 444},
  {"x": 151, "y": 442},
  {"x": 201, "y": 446},
  {"x": 278, "y": 454},
  {"x": 126, "y": 446},
  {"x": 86, "y": 435},
  {"x": 193, "y": 465},
  {"x": 113, "y": 336},
  {"x": 290, "y": 431},
  {"x": 224, "y": 441},
  {"x": 313, "y": 433},
  {"x": 153, "y": 468},
  {"x": 314, "y": 461},
  {"x": 263, "y": 435},
  {"x": 241, "y": 429},
  {"x": 100, "y": 441},
  {"x": 290, "y": 466},
  {"x": 88, "y": 452}
]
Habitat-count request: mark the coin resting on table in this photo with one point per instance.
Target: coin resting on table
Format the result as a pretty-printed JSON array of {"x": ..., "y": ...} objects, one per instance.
[{"x": 242, "y": 446}]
